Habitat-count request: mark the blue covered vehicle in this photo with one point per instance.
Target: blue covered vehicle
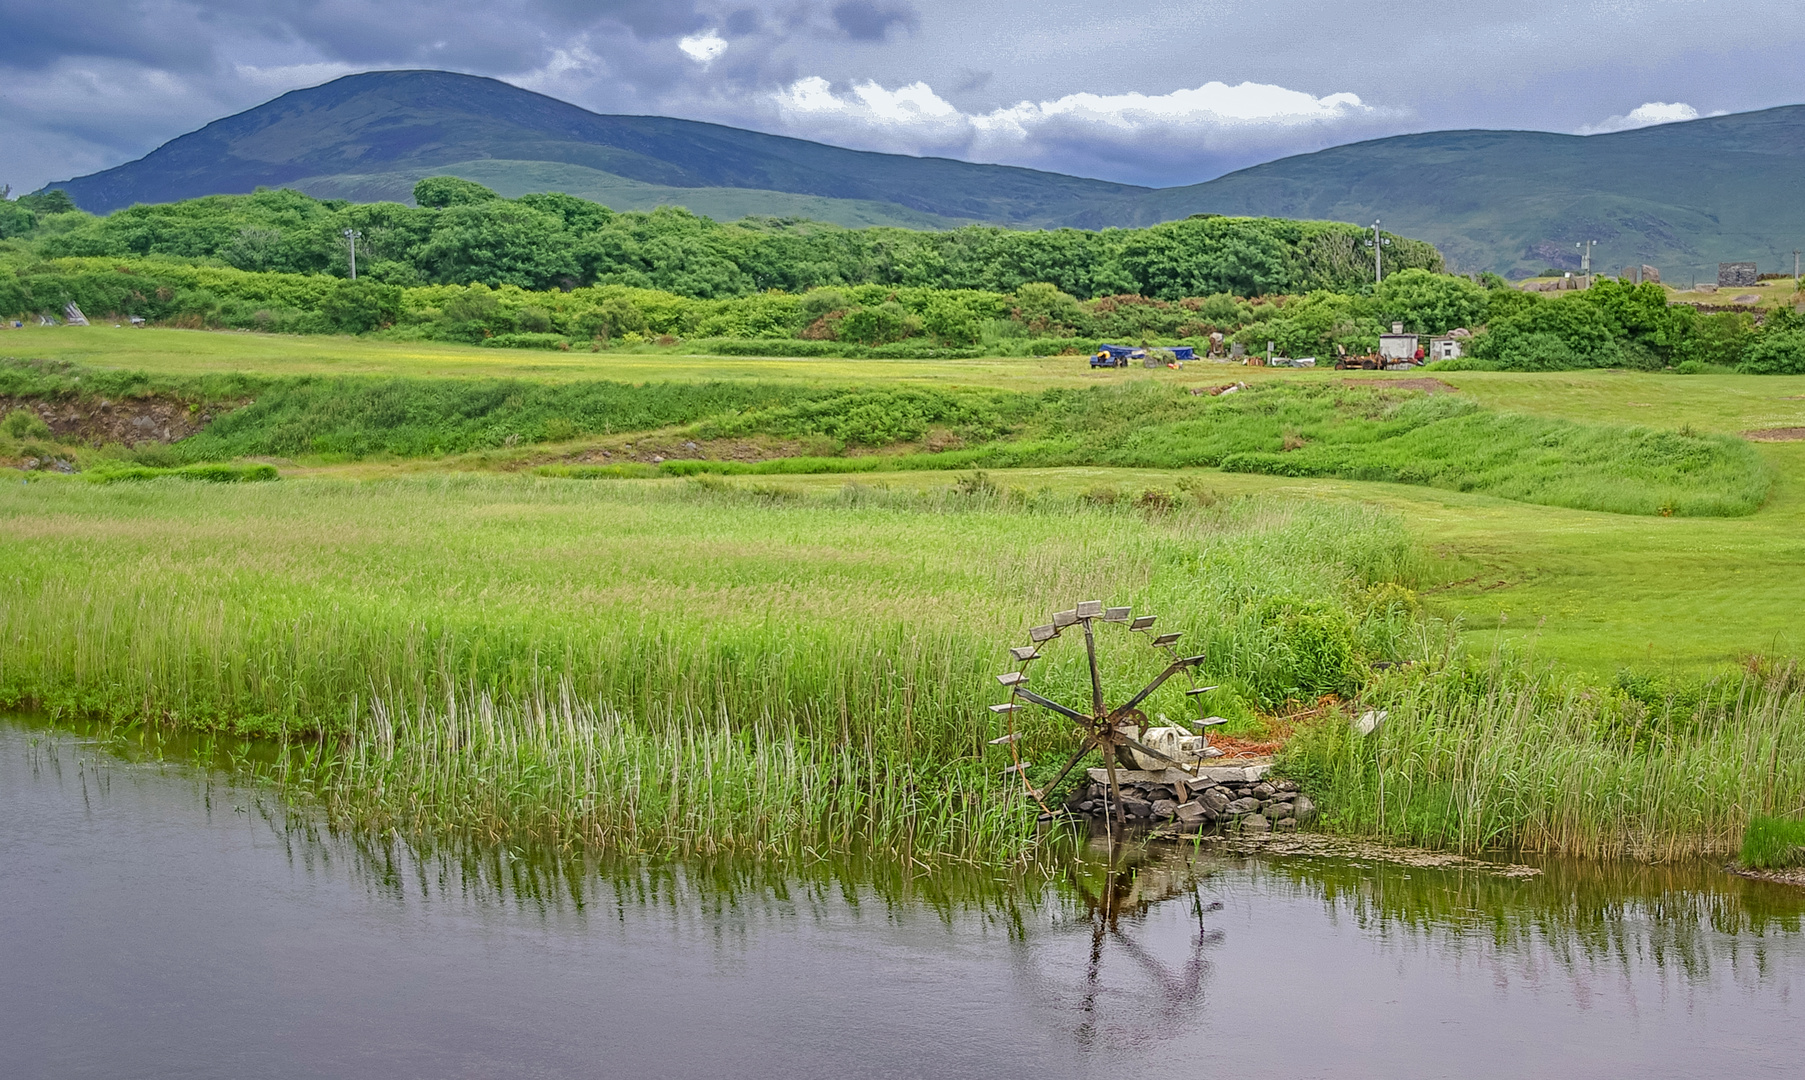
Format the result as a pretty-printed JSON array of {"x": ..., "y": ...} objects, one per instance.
[
  {"x": 1116, "y": 355},
  {"x": 1120, "y": 355}
]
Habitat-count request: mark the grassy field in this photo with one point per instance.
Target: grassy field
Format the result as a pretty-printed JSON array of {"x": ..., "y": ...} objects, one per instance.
[
  {"x": 1715, "y": 403},
  {"x": 1596, "y": 590},
  {"x": 805, "y": 627}
]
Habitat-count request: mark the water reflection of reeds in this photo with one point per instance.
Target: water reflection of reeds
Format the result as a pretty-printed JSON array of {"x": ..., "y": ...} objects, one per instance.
[{"x": 1575, "y": 914}]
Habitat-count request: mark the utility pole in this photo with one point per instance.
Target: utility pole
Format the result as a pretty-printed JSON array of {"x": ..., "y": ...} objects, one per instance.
[
  {"x": 1585, "y": 258},
  {"x": 1795, "y": 268},
  {"x": 1378, "y": 244},
  {"x": 352, "y": 236}
]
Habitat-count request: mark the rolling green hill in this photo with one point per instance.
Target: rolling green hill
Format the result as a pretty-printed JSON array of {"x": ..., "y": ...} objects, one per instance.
[
  {"x": 1681, "y": 197},
  {"x": 416, "y": 123}
]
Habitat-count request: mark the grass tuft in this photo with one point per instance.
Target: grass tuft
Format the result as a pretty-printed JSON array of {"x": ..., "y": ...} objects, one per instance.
[{"x": 1773, "y": 843}]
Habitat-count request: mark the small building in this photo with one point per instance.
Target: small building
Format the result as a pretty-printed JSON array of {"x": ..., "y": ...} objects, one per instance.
[
  {"x": 1737, "y": 275},
  {"x": 1444, "y": 348},
  {"x": 1397, "y": 345}
]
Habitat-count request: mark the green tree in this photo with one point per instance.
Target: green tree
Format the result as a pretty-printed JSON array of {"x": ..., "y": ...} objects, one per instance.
[
  {"x": 499, "y": 243},
  {"x": 579, "y": 215},
  {"x": 49, "y": 201},
  {"x": 1428, "y": 303},
  {"x": 439, "y": 192}
]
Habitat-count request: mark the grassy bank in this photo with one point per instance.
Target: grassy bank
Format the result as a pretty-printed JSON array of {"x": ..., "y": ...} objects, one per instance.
[
  {"x": 1476, "y": 756},
  {"x": 1351, "y": 431}
]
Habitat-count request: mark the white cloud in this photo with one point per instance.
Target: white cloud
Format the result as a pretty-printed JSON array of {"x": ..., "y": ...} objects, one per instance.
[
  {"x": 703, "y": 48},
  {"x": 1078, "y": 131},
  {"x": 1646, "y": 114},
  {"x": 281, "y": 78}
]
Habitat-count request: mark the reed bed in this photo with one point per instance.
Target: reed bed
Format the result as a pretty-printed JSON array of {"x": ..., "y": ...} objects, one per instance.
[
  {"x": 711, "y": 667},
  {"x": 285, "y": 612},
  {"x": 1505, "y": 756},
  {"x": 554, "y": 770}
]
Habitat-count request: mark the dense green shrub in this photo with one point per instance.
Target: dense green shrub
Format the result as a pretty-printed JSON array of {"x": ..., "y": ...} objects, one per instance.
[
  {"x": 354, "y": 307},
  {"x": 438, "y": 192},
  {"x": 1429, "y": 303},
  {"x": 1780, "y": 353}
]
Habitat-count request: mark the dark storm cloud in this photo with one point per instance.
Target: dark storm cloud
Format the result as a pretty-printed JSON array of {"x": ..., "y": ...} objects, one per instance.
[
  {"x": 37, "y": 34},
  {"x": 189, "y": 36},
  {"x": 862, "y": 20}
]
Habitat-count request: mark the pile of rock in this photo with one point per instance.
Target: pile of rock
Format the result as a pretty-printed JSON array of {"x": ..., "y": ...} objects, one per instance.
[{"x": 1232, "y": 797}]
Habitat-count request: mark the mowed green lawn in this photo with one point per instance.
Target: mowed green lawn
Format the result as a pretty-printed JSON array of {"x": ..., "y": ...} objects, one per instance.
[
  {"x": 1596, "y": 591},
  {"x": 1600, "y": 591}
]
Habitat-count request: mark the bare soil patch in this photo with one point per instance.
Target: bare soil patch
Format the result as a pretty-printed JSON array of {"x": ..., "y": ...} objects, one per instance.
[
  {"x": 1776, "y": 434},
  {"x": 130, "y": 421}
]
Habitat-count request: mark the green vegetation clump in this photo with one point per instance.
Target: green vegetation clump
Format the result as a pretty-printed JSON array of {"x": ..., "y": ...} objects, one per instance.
[
  {"x": 1780, "y": 353},
  {"x": 732, "y": 633},
  {"x": 25, "y": 424},
  {"x": 212, "y": 473},
  {"x": 1773, "y": 843}
]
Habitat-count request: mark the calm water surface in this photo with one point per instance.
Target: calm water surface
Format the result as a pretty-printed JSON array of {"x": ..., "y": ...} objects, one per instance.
[{"x": 161, "y": 921}]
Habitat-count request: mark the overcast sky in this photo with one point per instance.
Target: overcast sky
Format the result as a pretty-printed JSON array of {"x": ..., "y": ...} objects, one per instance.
[{"x": 1146, "y": 91}]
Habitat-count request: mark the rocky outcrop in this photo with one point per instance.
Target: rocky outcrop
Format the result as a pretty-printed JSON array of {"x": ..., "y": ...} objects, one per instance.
[{"x": 1228, "y": 797}]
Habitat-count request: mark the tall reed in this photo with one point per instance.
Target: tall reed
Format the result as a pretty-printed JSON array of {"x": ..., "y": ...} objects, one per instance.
[
  {"x": 552, "y": 769},
  {"x": 1502, "y": 755}
]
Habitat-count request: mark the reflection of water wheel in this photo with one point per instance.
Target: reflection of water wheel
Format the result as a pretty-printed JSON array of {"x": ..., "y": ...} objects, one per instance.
[
  {"x": 1103, "y": 728},
  {"x": 1157, "y": 992}
]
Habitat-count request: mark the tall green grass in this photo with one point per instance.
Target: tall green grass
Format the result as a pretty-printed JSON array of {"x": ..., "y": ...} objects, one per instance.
[
  {"x": 1477, "y": 756},
  {"x": 1315, "y": 429},
  {"x": 290, "y": 607},
  {"x": 551, "y": 769},
  {"x": 684, "y": 667},
  {"x": 1772, "y": 843}
]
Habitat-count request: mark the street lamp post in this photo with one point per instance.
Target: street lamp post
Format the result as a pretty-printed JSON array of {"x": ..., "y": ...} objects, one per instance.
[
  {"x": 352, "y": 236},
  {"x": 1585, "y": 257},
  {"x": 1378, "y": 244}
]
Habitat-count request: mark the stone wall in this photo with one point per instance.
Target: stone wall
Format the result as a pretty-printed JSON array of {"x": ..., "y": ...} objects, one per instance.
[
  {"x": 1224, "y": 797},
  {"x": 1736, "y": 275}
]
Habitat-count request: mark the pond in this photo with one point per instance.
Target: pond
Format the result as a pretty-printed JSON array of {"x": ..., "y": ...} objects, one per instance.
[{"x": 164, "y": 920}]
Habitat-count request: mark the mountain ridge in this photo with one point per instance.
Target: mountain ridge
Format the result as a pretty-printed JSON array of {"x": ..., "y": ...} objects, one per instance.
[
  {"x": 1681, "y": 196},
  {"x": 401, "y": 119}
]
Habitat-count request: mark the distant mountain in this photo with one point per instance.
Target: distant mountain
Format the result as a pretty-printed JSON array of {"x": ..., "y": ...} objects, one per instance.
[
  {"x": 401, "y": 125},
  {"x": 1679, "y": 196}
]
